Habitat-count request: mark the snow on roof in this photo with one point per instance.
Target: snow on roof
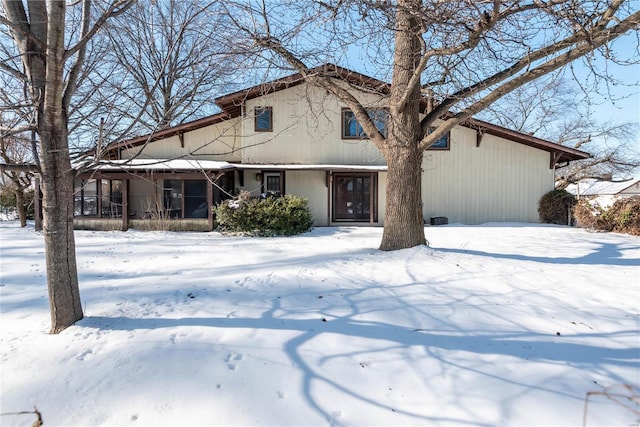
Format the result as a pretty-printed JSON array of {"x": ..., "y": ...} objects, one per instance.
[
  {"x": 184, "y": 164},
  {"x": 297, "y": 166},
  {"x": 162, "y": 164},
  {"x": 593, "y": 187}
]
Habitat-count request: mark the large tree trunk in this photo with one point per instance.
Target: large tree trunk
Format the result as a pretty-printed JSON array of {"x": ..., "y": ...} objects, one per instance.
[
  {"x": 57, "y": 201},
  {"x": 403, "y": 222}
]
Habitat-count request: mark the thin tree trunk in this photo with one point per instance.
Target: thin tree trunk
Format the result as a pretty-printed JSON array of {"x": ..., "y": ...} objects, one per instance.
[
  {"x": 22, "y": 211},
  {"x": 57, "y": 183},
  {"x": 57, "y": 203},
  {"x": 403, "y": 222}
]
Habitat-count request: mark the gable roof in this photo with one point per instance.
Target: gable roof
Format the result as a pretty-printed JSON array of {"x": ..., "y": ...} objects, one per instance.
[
  {"x": 594, "y": 187},
  {"x": 231, "y": 106},
  {"x": 232, "y": 103}
]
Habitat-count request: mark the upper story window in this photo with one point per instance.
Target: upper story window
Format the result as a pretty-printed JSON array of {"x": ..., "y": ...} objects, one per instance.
[
  {"x": 263, "y": 119},
  {"x": 351, "y": 129},
  {"x": 442, "y": 143}
]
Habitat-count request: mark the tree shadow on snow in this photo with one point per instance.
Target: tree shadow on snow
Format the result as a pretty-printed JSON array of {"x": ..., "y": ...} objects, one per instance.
[
  {"x": 522, "y": 345},
  {"x": 605, "y": 254}
]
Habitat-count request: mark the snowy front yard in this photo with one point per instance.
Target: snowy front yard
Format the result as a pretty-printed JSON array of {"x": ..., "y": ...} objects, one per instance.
[{"x": 494, "y": 325}]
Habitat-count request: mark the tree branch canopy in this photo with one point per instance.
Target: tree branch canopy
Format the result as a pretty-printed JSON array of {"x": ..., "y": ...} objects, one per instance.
[{"x": 472, "y": 53}]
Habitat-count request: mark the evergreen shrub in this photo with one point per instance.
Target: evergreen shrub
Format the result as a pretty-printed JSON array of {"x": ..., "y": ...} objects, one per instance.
[
  {"x": 555, "y": 207},
  {"x": 272, "y": 216}
]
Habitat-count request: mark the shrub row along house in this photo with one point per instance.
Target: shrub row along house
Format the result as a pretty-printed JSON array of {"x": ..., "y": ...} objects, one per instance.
[{"x": 289, "y": 137}]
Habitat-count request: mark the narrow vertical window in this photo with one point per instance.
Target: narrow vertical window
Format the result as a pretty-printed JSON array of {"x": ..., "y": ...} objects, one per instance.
[{"x": 263, "y": 119}]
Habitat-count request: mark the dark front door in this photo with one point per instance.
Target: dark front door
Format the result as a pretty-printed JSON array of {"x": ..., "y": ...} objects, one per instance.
[{"x": 354, "y": 197}]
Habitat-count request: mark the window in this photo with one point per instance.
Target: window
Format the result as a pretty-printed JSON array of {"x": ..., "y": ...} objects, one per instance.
[
  {"x": 195, "y": 199},
  {"x": 93, "y": 196},
  {"x": 188, "y": 196},
  {"x": 85, "y": 198},
  {"x": 440, "y": 144},
  {"x": 263, "y": 119},
  {"x": 111, "y": 198},
  {"x": 272, "y": 184},
  {"x": 351, "y": 129},
  {"x": 355, "y": 197},
  {"x": 172, "y": 198}
]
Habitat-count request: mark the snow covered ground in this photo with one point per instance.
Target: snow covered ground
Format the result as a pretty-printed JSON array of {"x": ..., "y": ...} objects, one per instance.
[{"x": 493, "y": 325}]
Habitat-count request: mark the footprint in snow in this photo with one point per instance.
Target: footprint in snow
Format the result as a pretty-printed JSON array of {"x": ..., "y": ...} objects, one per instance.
[
  {"x": 86, "y": 354},
  {"x": 231, "y": 360}
]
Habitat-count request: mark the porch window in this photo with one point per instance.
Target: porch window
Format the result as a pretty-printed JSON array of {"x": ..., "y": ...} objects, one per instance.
[
  {"x": 351, "y": 129},
  {"x": 195, "y": 198},
  {"x": 111, "y": 195},
  {"x": 93, "y": 196},
  {"x": 263, "y": 119},
  {"x": 355, "y": 197},
  {"x": 172, "y": 198},
  {"x": 85, "y": 198},
  {"x": 188, "y": 196}
]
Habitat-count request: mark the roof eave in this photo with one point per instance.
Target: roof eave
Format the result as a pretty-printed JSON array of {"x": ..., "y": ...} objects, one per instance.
[
  {"x": 169, "y": 132},
  {"x": 564, "y": 153}
]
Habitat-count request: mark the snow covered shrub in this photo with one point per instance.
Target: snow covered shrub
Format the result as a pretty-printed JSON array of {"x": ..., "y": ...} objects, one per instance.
[
  {"x": 555, "y": 207},
  {"x": 623, "y": 216},
  {"x": 273, "y": 216}
]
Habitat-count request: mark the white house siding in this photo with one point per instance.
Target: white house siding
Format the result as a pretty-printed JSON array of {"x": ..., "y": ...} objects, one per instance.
[
  {"x": 633, "y": 190},
  {"x": 306, "y": 130},
  {"x": 220, "y": 141},
  {"x": 498, "y": 181},
  {"x": 310, "y": 185},
  {"x": 382, "y": 196}
]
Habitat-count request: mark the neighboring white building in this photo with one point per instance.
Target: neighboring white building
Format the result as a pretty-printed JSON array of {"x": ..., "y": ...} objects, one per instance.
[
  {"x": 605, "y": 193},
  {"x": 289, "y": 137}
]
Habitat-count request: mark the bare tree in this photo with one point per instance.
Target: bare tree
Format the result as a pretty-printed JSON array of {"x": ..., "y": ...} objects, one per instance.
[
  {"x": 169, "y": 60},
  {"x": 51, "y": 40},
  {"x": 554, "y": 109},
  {"x": 15, "y": 151},
  {"x": 468, "y": 54}
]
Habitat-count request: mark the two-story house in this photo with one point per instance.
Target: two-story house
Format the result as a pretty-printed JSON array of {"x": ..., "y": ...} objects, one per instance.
[{"x": 289, "y": 137}]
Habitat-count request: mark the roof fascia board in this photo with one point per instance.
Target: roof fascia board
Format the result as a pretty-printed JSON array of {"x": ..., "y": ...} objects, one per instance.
[
  {"x": 522, "y": 138},
  {"x": 171, "y": 131}
]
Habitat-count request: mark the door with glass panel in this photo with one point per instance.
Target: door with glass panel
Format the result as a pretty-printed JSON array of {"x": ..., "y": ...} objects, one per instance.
[{"x": 354, "y": 197}]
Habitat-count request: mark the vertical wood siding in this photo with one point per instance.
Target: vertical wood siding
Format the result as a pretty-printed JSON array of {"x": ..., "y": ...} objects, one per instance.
[
  {"x": 220, "y": 141},
  {"x": 498, "y": 181},
  {"x": 311, "y": 186},
  {"x": 306, "y": 129}
]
